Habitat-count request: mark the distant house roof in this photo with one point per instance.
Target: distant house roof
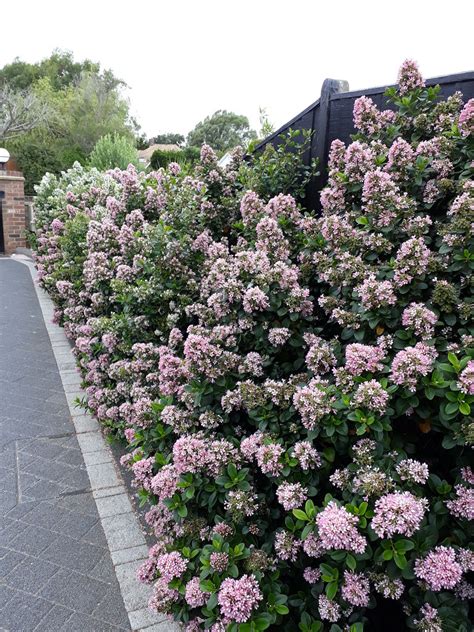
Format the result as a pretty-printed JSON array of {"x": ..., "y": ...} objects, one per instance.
[{"x": 144, "y": 155}]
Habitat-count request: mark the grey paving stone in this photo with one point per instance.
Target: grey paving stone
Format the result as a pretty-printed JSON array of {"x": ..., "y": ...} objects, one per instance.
[
  {"x": 71, "y": 457},
  {"x": 130, "y": 555},
  {"x": 73, "y": 554},
  {"x": 54, "y": 619},
  {"x": 113, "y": 505},
  {"x": 122, "y": 532},
  {"x": 9, "y": 530},
  {"x": 6, "y": 593},
  {"x": 75, "y": 591},
  {"x": 103, "y": 475},
  {"x": 31, "y": 575},
  {"x": 96, "y": 536},
  {"x": 75, "y": 525},
  {"x": 44, "y": 514},
  {"x": 7, "y": 501},
  {"x": 82, "y": 623},
  {"x": 9, "y": 560},
  {"x": 144, "y": 618},
  {"x": 52, "y": 514},
  {"x": 23, "y": 612},
  {"x": 98, "y": 457},
  {"x": 33, "y": 540},
  {"x": 111, "y": 608},
  {"x": 85, "y": 423},
  {"x": 104, "y": 570}
]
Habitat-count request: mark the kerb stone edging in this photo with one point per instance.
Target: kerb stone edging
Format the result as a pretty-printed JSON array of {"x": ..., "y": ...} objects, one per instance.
[{"x": 122, "y": 530}]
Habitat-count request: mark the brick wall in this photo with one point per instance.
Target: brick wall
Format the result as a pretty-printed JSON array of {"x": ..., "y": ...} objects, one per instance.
[{"x": 13, "y": 210}]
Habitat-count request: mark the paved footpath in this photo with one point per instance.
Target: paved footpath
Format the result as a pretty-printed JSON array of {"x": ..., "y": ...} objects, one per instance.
[{"x": 69, "y": 542}]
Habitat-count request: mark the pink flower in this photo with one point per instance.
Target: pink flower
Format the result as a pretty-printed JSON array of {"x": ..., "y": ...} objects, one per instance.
[
  {"x": 366, "y": 116},
  {"x": 409, "y": 77},
  {"x": 165, "y": 483},
  {"x": 313, "y": 402},
  {"x": 420, "y": 319},
  {"x": 411, "y": 261},
  {"x": 412, "y": 363},
  {"x": 361, "y": 358},
  {"x": 371, "y": 395},
  {"x": 237, "y": 598},
  {"x": 194, "y": 596},
  {"x": 287, "y": 547},
  {"x": 171, "y": 565},
  {"x": 356, "y": 589},
  {"x": 291, "y": 495},
  {"x": 311, "y": 575},
  {"x": 328, "y": 610},
  {"x": 466, "y": 119},
  {"x": 337, "y": 529},
  {"x": 268, "y": 458},
  {"x": 463, "y": 505},
  {"x": 307, "y": 456},
  {"x": 162, "y": 596},
  {"x": 439, "y": 569},
  {"x": 413, "y": 471},
  {"x": 255, "y": 300},
  {"x": 219, "y": 561},
  {"x": 375, "y": 294},
  {"x": 466, "y": 379},
  {"x": 398, "y": 512}
]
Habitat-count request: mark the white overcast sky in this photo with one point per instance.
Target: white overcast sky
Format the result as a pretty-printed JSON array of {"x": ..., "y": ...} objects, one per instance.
[{"x": 184, "y": 59}]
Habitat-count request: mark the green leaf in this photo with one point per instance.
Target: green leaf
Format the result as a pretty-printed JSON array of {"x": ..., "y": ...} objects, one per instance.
[
  {"x": 387, "y": 555},
  {"x": 400, "y": 560},
  {"x": 464, "y": 408},
  {"x": 331, "y": 590},
  {"x": 300, "y": 514},
  {"x": 454, "y": 361},
  {"x": 282, "y": 609},
  {"x": 351, "y": 562},
  {"x": 182, "y": 511}
]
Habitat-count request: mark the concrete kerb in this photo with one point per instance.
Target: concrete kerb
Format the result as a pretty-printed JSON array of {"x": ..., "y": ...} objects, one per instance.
[{"x": 122, "y": 529}]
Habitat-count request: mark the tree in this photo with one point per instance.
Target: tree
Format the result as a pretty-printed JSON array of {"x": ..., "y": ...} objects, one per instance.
[
  {"x": 20, "y": 112},
  {"x": 222, "y": 131},
  {"x": 61, "y": 109},
  {"x": 113, "y": 150},
  {"x": 169, "y": 138},
  {"x": 60, "y": 68}
]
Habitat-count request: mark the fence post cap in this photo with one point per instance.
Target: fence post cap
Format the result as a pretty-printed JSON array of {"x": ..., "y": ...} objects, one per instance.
[{"x": 333, "y": 86}]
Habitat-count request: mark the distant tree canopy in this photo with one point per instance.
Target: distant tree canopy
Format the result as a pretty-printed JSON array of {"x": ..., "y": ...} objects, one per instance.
[
  {"x": 222, "y": 131},
  {"x": 167, "y": 139},
  {"x": 74, "y": 105}
]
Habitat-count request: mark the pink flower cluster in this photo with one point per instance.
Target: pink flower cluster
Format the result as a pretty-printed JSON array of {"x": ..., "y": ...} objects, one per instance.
[
  {"x": 238, "y": 598},
  {"x": 363, "y": 358},
  {"x": 398, "y": 512},
  {"x": 439, "y": 569},
  {"x": 409, "y": 77},
  {"x": 420, "y": 319},
  {"x": 412, "y": 363},
  {"x": 337, "y": 529},
  {"x": 291, "y": 495}
]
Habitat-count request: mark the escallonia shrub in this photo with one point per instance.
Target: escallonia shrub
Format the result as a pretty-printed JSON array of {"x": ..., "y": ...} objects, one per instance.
[{"x": 302, "y": 429}]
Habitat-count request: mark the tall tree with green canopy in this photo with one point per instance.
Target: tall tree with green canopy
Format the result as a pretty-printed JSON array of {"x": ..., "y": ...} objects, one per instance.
[
  {"x": 222, "y": 131},
  {"x": 83, "y": 102}
]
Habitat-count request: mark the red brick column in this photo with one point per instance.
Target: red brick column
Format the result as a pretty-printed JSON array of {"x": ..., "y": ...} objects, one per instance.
[{"x": 13, "y": 210}]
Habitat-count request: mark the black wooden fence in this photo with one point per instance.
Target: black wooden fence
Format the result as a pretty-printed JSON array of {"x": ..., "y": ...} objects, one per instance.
[{"x": 330, "y": 117}]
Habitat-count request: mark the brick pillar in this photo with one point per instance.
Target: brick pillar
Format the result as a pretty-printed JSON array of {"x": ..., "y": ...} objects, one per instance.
[{"x": 13, "y": 210}]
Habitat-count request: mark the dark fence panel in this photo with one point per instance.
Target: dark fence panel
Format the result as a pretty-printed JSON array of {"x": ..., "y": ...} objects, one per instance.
[{"x": 330, "y": 117}]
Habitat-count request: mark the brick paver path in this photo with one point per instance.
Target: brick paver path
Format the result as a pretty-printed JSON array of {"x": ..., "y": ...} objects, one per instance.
[{"x": 56, "y": 571}]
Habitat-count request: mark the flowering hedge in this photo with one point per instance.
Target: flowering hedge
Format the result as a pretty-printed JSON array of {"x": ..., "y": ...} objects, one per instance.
[{"x": 295, "y": 390}]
